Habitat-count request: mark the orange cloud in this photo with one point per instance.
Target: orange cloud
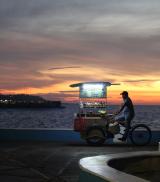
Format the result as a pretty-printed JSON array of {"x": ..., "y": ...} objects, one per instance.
[{"x": 147, "y": 92}]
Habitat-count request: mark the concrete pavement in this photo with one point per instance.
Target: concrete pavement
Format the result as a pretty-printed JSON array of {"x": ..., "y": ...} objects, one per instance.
[{"x": 30, "y": 161}]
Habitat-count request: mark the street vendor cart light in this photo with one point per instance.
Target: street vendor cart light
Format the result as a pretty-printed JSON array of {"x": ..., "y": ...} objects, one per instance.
[{"x": 93, "y": 86}]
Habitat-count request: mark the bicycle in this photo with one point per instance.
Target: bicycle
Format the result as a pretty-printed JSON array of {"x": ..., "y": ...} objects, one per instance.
[{"x": 139, "y": 134}]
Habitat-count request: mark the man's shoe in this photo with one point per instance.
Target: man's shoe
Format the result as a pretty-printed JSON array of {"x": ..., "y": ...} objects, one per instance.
[{"x": 122, "y": 139}]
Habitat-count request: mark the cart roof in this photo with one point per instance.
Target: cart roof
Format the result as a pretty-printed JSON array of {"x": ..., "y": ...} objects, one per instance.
[{"x": 107, "y": 84}]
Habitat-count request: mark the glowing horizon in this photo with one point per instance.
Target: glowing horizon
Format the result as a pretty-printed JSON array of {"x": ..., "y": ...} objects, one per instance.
[{"x": 139, "y": 96}]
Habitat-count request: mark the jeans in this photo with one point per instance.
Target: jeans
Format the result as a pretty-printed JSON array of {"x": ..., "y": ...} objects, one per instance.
[{"x": 126, "y": 117}]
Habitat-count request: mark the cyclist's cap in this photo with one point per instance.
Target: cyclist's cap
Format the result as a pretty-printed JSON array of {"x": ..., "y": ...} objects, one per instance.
[{"x": 124, "y": 93}]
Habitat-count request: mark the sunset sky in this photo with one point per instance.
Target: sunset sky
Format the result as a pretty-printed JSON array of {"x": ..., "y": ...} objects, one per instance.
[{"x": 100, "y": 40}]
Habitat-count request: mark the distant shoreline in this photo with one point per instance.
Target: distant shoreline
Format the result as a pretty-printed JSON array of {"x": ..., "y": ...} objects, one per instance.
[
  {"x": 27, "y": 101},
  {"x": 118, "y": 104}
]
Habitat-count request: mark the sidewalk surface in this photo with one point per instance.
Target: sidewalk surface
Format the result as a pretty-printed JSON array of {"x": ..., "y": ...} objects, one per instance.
[{"x": 50, "y": 161}]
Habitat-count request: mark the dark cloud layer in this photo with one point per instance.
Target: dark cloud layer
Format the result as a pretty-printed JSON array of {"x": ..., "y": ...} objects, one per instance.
[{"x": 142, "y": 80}]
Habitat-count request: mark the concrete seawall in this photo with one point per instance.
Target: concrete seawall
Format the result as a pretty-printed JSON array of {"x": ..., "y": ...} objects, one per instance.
[{"x": 60, "y": 135}]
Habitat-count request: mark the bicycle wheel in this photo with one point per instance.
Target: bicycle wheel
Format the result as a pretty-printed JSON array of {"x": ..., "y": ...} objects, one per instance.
[
  {"x": 95, "y": 136},
  {"x": 140, "y": 135}
]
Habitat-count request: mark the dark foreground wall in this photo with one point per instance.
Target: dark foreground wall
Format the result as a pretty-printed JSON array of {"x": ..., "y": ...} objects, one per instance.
[{"x": 61, "y": 135}]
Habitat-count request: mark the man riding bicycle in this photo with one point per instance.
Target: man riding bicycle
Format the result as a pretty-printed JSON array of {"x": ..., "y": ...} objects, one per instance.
[{"x": 125, "y": 115}]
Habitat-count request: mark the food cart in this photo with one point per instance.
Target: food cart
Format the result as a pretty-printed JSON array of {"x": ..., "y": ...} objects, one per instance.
[{"x": 93, "y": 118}]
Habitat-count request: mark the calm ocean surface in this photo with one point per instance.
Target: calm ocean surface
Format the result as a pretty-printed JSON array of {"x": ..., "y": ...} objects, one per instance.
[{"x": 63, "y": 118}]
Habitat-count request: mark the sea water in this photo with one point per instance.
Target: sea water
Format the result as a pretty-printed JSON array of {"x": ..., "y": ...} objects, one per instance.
[{"x": 63, "y": 118}]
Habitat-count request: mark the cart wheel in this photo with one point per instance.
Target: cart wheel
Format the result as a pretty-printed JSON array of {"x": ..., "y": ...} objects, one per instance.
[
  {"x": 95, "y": 136},
  {"x": 140, "y": 135}
]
